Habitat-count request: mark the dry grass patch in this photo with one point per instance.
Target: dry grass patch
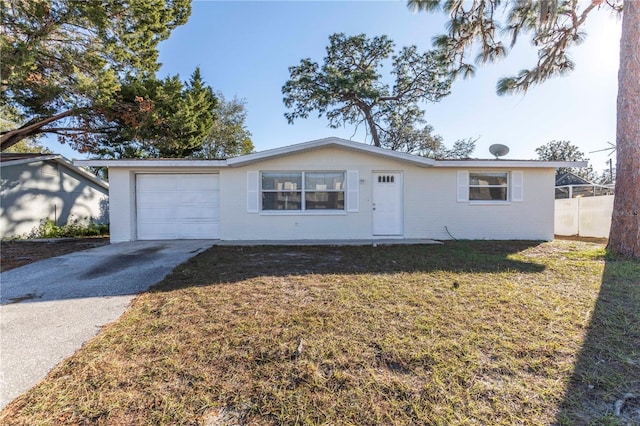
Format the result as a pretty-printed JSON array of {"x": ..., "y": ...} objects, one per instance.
[{"x": 465, "y": 333}]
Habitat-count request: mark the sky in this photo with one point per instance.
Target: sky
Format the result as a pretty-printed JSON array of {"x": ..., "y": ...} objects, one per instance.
[{"x": 244, "y": 49}]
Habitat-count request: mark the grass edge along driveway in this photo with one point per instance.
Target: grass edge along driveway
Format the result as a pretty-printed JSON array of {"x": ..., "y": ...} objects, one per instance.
[{"x": 480, "y": 332}]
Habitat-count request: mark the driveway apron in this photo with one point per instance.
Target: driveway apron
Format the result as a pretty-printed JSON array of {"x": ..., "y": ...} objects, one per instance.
[{"x": 50, "y": 308}]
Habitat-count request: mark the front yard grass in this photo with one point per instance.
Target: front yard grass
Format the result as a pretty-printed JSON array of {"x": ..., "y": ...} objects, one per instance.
[{"x": 462, "y": 333}]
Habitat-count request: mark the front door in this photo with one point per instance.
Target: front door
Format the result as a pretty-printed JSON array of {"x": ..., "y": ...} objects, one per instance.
[{"x": 387, "y": 203}]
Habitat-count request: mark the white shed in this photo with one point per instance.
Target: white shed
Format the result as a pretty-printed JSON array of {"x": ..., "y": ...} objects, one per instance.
[{"x": 331, "y": 189}]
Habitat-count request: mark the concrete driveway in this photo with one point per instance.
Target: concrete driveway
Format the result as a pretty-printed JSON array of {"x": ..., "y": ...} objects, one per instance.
[{"x": 49, "y": 309}]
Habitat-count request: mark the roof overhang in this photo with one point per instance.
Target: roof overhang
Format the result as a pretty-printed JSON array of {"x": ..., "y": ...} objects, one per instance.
[
  {"x": 155, "y": 163},
  {"x": 524, "y": 164},
  {"x": 257, "y": 157},
  {"x": 27, "y": 160},
  {"x": 62, "y": 161},
  {"x": 328, "y": 143}
]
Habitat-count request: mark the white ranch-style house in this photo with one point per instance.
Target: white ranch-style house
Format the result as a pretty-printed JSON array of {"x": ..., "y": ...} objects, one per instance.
[{"x": 331, "y": 189}]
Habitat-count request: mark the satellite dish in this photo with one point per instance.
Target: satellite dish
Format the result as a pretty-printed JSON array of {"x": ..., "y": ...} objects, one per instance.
[{"x": 499, "y": 150}]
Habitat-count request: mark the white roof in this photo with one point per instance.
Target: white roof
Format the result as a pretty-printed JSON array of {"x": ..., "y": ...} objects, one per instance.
[
  {"x": 331, "y": 142},
  {"x": 154, "y": 162}
]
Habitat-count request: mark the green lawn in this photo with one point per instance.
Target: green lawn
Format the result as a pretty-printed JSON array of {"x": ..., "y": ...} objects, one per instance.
[{"x": 461, "y": 333}]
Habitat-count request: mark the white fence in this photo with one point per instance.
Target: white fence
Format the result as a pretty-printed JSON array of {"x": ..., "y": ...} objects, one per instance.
[{"x": 584, "y": 216}]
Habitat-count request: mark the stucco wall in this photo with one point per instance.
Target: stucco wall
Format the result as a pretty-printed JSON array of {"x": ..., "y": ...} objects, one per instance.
[
  {"x": 530, "y": 219},
  {"x": 429, "y": 195},
  {"x": 36, "y": 191},
  {"x": 430, "y": 203},
  {"x": 122, "y": 205}
]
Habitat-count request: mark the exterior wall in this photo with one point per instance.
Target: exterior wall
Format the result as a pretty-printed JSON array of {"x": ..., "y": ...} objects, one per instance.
[
  {"x": 32, "y": 192},
  {"x": 430, "y": 203},
  {"x": 529, "y": 219},
  {"x": 584, "y": 216},
  {"x": 122, "y": 203},
  {"x": 122, "y": 198},
  {"x": 237, "y": 224}
]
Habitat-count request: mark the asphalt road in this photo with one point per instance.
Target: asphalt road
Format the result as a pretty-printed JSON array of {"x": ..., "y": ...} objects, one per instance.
[{"x": 50, "y": 308}]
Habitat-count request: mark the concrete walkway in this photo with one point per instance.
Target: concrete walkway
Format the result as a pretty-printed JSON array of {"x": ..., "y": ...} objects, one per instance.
[
  {"x": 374, "y": 242},
  {"x": 49, "y": 309}
]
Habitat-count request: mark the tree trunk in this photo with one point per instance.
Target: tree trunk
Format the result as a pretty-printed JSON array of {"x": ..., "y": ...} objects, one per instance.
[
  {"x": 624, "y": 236},
  {"x": 12, "y": 137},
  {"x": 372, "y": 124}
]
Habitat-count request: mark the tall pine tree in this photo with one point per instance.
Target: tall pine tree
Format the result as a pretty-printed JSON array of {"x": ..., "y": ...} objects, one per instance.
[
  {"x": 554, "y": 26},
  {"x": 85, "y": 71}
]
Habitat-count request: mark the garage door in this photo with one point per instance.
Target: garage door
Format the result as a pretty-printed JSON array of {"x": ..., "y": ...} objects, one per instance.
[{"x": 178, "y": 206}]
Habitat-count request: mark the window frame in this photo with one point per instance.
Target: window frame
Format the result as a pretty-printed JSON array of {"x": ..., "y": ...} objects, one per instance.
[
  {"x": 515, "y": 186},
  {"x": 303, "y": 191},
  {"x": 506, "y": 186}
]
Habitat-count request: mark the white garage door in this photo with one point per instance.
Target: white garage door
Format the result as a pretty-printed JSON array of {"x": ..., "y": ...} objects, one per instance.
[{"x": 178, "y": 206}]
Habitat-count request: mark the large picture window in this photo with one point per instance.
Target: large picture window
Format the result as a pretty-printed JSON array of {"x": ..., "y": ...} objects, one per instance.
[
  {"x": 302, "y": 191},
  {"x": 281, "y": 191},
  {"x": 488, "y": 186}
]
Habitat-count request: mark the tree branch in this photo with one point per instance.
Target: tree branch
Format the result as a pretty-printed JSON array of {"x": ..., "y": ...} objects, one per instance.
[
  {"x": 65, "y": 130},
  {"x": 12, "y": 137}
]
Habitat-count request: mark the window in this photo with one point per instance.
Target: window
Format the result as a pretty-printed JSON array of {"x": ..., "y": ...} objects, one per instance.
[
  {"x": 386, "y": 179},
  {"x": 282, "y": 191},
  {"x": 495, "y": 187},
  {"x": 324, "y": 191},
  {"x": 488, "y": 186},
  {"x": 302, "y": 191}
]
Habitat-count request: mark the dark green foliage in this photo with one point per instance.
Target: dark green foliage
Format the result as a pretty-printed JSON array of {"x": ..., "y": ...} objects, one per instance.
[
  {"x": 159, "y": 118},
  {"x": 73, "y": 229},
  {"x": 85, "y": 70},
  {"x": 496, "y": 25},
  {"x": 348, "y": 88},
  {"x": 229, "y": 136},
  {"x": 566, "y": 151}
]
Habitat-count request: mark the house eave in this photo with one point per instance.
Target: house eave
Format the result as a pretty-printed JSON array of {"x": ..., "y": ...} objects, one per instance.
[
  {"x": 44, "y": 157},
  {"x": 327, "y": 143},
  {"x": 500, "y": 164},
  {"x": 93, "y": 178},
  {"x": 153, "y": 163},
  {"x": 57, "y": 158}
]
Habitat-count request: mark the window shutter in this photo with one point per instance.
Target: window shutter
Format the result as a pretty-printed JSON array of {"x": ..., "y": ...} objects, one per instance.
[
  {"x": 463, "y": 186},
  {"x": 253, "y": 204},
  {"x": 353, "y": 201},
  {"x": 517, "y": 179}
]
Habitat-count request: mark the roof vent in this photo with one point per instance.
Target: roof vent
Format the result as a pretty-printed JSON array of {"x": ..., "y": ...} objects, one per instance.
[{"x": 499, "y": 150}]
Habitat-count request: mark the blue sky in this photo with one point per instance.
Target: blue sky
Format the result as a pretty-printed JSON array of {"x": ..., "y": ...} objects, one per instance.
[{"x": 244, "y": 49}]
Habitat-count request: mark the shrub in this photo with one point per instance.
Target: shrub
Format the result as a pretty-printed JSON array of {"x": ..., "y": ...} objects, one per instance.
[{"x": 73, "y": 229}]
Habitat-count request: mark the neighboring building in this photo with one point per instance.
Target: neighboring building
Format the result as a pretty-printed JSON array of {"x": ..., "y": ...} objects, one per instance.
[
  {"x": 36, "y": 187},
  {"x": 569, "y": 185},
  {"x": 331, "y": 189}
]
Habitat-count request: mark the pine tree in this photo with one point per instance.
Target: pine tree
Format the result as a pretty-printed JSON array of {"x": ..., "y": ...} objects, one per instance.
[
  {"x": 71, "y": 68},
  {"x": 554, "y": 26},
  {"x": 349, "y": 89}
]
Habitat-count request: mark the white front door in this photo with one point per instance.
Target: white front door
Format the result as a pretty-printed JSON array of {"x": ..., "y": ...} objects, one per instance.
[{"x": 387, "y": 203}]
